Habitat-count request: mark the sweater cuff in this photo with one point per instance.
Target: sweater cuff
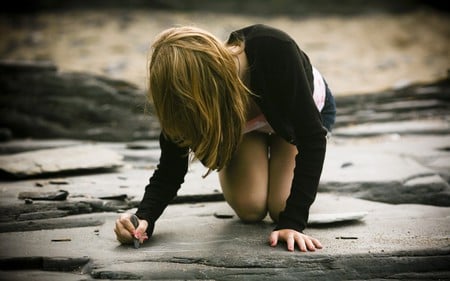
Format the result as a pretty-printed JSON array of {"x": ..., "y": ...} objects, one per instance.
[
  {"x": 151, "y": 224},
  {"x": 285, "y": 222}
]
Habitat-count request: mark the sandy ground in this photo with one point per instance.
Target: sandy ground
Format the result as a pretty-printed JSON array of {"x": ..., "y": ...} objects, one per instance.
[{"x": 357, "y": 54}]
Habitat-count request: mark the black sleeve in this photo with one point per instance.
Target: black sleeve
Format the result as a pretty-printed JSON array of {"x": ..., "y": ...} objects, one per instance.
[
  {"x": 164, "y": 183},
  {"x": 287, "y": 80}
]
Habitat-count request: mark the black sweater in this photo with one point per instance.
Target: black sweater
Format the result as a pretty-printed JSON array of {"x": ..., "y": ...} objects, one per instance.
[{"x": 281, "y": 77}]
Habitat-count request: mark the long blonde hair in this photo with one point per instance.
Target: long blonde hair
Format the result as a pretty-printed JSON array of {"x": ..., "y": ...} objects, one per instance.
[{"x": 198, "y": 97}]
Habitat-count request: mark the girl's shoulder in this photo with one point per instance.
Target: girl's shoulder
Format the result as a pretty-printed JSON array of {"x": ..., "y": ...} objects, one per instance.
[{"x": 258, "y": 31}]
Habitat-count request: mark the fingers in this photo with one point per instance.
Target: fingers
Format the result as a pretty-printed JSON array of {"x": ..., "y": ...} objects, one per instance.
[
  {"x": 124, "y": 229},
  {"x": 273, "y": 240},
  {"x": 303, "y": 244},
  {"x": 126, "y": 222},
  {"x": 317, "y": 243},
  {"x": 292, "y": 238},
  {"x": 141, "y": 233},
  {"x": 142, "y": 227},
  {"x": 122, "y": 234},
  {"x": 307, "y": 245},
  {"x": 290, "y": 241}
]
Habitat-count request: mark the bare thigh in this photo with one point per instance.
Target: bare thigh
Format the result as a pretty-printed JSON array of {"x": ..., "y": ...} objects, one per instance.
[
  {"x": 281, "y": 173},
  {"x": 245, "y": 179}
]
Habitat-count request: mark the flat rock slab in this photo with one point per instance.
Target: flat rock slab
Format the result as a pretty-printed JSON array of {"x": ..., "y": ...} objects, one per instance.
[
  {"x": 38, "y": 275},
  {"x": 319, "y": 219},
  {"x": 366, "y": 166},
  {"x": 398, "y": 127},
  {"x": 396, "y": 169},
  {"x": 191, "y": 243},
  {"x": 393, "y": 169},
  {"x": 60, "y": 160}
]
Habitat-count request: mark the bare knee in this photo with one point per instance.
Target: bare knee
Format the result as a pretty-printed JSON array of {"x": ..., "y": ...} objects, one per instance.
[
  {"x": 249, "y": 211},
  {"x": 275, "y": 208},
  {"x": 244, "y": 180},
  {"x": 251, "y": 216},
  {"x": 274, "y": 215}
]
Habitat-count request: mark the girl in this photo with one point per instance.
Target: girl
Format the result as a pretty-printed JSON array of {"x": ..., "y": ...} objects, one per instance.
[{"x": 255, "y": 110}]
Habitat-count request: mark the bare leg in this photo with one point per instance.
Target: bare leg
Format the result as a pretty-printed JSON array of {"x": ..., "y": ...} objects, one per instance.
[
  {"x": 281, "y": 173},
  {"x": 245, "y": 179}
]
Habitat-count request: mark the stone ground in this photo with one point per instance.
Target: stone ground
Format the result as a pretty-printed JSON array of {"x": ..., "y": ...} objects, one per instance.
[
  {"x": 199, "y": 237},
  {"x": 383, "y": 207}
]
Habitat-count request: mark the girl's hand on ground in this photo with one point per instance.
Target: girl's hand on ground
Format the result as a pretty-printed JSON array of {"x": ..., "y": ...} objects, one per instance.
[
  {"x": 125, "y": 231},
  {"x": 292, "y": 237}
]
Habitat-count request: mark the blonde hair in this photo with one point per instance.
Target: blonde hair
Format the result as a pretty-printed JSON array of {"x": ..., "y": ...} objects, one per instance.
[{"x": 198, "y": 97}]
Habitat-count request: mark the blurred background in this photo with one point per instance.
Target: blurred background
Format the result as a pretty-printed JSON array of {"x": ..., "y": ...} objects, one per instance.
[
  {"x": 77, "y": 69},
  {"x": 359, "y": 46}
]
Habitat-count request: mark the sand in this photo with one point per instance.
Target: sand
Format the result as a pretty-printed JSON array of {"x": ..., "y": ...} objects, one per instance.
[{"x": 356, "y": 54}]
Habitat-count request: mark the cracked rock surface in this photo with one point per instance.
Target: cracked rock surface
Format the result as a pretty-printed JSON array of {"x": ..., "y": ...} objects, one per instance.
[
  {"x": 382, "y": 211},
  {"x": 390, "y": 182}
]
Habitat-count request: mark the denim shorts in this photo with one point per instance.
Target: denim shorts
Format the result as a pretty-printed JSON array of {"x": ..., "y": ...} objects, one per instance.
[{"x": 329, "y": 110}]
